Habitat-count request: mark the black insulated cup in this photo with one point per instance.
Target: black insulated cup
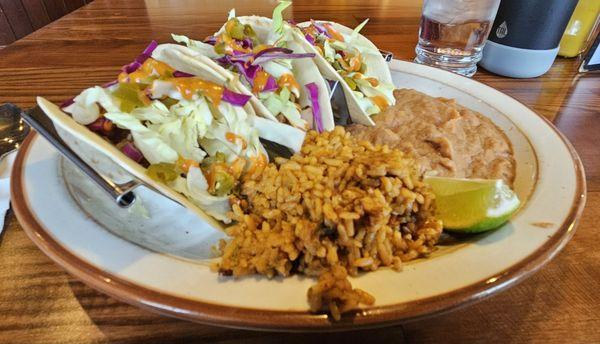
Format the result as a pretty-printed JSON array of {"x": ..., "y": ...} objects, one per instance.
[{"x": 525, "y": 36}]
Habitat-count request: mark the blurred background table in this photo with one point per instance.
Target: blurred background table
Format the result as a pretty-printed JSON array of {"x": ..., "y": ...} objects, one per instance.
[{"x": 40, "y": 303}]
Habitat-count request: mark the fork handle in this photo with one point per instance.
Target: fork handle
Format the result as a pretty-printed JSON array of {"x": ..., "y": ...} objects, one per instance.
[{"x": 121, "y": 193}]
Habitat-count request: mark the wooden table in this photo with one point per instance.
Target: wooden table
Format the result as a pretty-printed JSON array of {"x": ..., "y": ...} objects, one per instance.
[{"x": 39, "y": 303}]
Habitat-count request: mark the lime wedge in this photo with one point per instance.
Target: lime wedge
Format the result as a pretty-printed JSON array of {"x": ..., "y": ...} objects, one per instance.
[{"x": 472, "y": 205}]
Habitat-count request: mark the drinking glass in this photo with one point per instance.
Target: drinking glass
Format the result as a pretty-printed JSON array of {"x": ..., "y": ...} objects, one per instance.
[{"x": 452, "y": 33}]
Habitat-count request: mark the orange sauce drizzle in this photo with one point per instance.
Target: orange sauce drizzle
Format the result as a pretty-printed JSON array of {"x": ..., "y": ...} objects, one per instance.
[
  {"x": 107, "y": 126},
  {"x": 380, "y": 101},
  {"x": 333, "y": 33},
  {"x": 210, "y": 177},
  {"x": 150, "y": 69},
  {"x": 237, "y": 167},
  {"x": 355, "y": 62},
  {"x": 311, "y": 30},
  {"x": 260, "y": 81},
  {"x": 344, "y": 64},
  {"x": 186, "y": 164},
  {"x": 234, "y": 44},
  {"x": 190, "y": 86},
  {"x": 257, "y": 164},
  {"x": 320, "y": 49},
  {"x": 358, "y": 76},
  {"x": 288, "y": 80},
  {"x": 233, "y": 138},
  {"x": 374, "y": 82}
]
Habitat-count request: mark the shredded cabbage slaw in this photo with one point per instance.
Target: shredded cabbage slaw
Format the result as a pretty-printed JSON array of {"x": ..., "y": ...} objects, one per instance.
[
  {"x": 346, "y": 54},
  {"x": 190, "y": 134},
  {"x": 265, "y": 66}
]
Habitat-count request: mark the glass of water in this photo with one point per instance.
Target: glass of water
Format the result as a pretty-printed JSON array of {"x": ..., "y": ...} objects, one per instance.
[{"x": 453, "y": 32}]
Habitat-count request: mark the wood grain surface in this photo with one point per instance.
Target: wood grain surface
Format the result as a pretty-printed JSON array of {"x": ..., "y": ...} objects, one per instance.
[
  {"x": 39, "y": 303},
  {"x": 19, "y": 18}
]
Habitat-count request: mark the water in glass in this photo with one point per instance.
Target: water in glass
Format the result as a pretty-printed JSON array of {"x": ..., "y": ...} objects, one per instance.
[{"x": 453, "y": 32}]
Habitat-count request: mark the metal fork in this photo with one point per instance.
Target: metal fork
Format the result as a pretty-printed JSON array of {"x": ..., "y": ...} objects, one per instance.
[{"x": 121, "y": 193}]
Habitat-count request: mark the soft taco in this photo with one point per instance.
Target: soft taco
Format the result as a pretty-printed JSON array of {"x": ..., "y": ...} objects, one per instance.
[
  {"x": 272, "y": 64},
  {"x": 344, "y": 54},
  {"x": 180, "y": 128},
  {"x": 190, "y": 61}
]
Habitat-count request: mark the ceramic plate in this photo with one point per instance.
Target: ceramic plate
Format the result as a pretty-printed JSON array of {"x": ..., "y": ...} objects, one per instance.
[{"x": 158, "y": 256}]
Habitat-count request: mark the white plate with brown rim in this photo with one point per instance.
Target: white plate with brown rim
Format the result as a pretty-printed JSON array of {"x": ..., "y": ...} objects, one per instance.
[{"x": 160, "y": 260}]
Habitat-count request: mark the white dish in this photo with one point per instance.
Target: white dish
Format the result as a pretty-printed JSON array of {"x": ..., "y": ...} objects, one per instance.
[{"x": 164, "y": 263}]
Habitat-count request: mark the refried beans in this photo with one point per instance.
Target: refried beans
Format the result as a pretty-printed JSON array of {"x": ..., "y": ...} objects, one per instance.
[{"x": 444, "y": 137}]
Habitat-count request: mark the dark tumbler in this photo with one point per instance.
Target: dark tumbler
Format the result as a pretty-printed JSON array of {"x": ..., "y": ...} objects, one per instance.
[{"x": 525, "y": 36}]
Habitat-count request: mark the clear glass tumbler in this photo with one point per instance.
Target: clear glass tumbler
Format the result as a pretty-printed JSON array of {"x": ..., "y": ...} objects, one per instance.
[{"x": 453, "y": 32}]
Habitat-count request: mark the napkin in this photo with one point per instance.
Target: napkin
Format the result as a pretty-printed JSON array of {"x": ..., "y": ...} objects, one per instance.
[{"x": 5, "y": 169}]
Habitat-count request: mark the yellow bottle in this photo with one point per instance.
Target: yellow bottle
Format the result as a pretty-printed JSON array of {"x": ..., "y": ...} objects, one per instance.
[{"x": 581, "y": 25}]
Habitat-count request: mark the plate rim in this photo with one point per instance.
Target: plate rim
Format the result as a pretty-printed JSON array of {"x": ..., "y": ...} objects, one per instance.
[{"x": 260, "y": 319}]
